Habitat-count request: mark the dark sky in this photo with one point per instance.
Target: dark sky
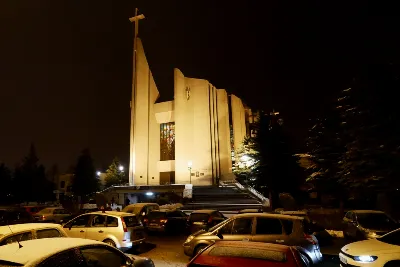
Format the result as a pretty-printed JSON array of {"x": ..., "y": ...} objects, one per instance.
[{"x": 65, "y": 65}]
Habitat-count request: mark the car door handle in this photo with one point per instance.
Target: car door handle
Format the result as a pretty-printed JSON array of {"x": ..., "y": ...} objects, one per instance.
[
  {"x": 101, "y": 231},
  {"x": 245, "y": 239},
  {"x": 279, "y": 241},
  {"x": 81, "y": 231}
]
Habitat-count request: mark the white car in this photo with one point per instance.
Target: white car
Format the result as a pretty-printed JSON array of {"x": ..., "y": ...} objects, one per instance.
[
  {"x": 65, "y": 252},
  {"x": 27, "y": 231},
  {"x": 383, "y": 251},
  {"x": 118, "y": 229}
]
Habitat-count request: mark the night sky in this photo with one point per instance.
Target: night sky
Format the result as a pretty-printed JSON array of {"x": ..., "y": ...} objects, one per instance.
[{"x": 66, "y": 65}]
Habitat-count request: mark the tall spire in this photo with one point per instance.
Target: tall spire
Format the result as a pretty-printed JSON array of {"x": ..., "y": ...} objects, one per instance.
[{"x": 135, "y": 20}]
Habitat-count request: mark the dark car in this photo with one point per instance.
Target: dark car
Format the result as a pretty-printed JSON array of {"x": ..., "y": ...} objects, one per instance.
[
  {"x": 367, "y": 224},
  {"x": 240, "y": 253},
  {"x": 168, "y": 221},
  {"x": 204, "y": 219},
  {"x": 14, "y": 215}
]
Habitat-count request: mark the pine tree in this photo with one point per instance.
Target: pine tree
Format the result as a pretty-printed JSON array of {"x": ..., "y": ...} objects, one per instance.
[
  {"x": 115, "y": 176},
  {"x": 85, "y": 181}
]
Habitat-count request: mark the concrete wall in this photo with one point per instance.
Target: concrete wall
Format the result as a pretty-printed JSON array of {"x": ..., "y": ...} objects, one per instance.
[
  {"x": 224, "y": 134},
  {"x": 146, "y": 131},
  {"x": 238, "y": 121}
]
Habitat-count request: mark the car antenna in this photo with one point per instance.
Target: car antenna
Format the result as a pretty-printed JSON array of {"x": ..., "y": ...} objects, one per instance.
[{"x": 19, "y": 244}]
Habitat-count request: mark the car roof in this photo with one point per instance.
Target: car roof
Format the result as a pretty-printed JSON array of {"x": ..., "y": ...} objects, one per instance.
[
  {"x": 259, "y": 245},
  {"x": 293, "y": 212},
  {"x": 37, "y": 249},
  {"x": 114, "y": 213},
  {"x": 203, "y": 211},
  {"x": 269, "y": 215},
  {"x": 9, "y": 229},
  {"x": 366, "y": 211},
  {"x": 250, "y": 210},
  {"x": 141, "y": 204}
]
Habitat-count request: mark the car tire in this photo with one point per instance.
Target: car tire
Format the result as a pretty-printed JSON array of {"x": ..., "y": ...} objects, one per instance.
[
  {"x": 110, "y": 242},
  {"x": 198, "y": 249}
]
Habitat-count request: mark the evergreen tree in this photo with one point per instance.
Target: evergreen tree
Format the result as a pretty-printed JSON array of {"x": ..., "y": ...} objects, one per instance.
[
  {"x": 30, "y": 179},
  {"x": 115, "y": 176},
  {"x": 85, "y": 181}
]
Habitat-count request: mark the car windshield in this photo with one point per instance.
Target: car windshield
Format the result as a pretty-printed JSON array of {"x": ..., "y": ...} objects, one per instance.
[
  {"x": 156, "y": 215},
  {"x": 392, "y": 238},
  {"x": 199, "y": 217},
  {"x": 135, "y": 209},
  {"x": 212, "y": 229},
  {"x": 375, "y": 221},
  {"x": 45, "y": 211}
]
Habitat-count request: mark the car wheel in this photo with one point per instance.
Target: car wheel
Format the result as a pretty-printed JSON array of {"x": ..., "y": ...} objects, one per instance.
[
  {"x": 198, "y": 249},
  {"x": 110, "y": 242}
]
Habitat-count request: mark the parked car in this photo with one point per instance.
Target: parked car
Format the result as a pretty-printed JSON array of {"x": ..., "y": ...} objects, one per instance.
[
  {"x": 168, "y": 221},
  {"x": 14, "y": 215},
  {"x": 204, "y": 219},
  {"x": 27, "y": 231},
  {"x": 72, "y": 216},
  {"x": 76, "y": 252},
  {"x": 382, "y": 251},
  {"x": 33, "y": 209},
  {"x": 53, "y": 214},
  {"x": 367, "y": 224},
  {"x": 118, "y": 229},
  {"x": 250, "y": 211},
  {"x": 141, "y": 210},
  {"x": 324, "y": 238},
  {"x": 258, "y": 227},
  {"x": 240, "y": 253}
]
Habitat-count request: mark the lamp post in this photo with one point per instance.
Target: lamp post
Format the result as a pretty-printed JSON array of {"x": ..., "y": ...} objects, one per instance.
[{"x": 190, "y": 164}]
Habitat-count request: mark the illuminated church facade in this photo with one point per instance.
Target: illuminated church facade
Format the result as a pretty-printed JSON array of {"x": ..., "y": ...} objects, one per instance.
[{"x": 188, "y": 140}]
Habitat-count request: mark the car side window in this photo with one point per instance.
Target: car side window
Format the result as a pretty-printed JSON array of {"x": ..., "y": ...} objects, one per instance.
[
  {"x": 242, "y": 226},
  {"x": 81, "y": 221},
  {"x": 47, "y": 233},
  {"x": 226, "y": 229},
  {"x": 17, "y": 238},
  {"x": 112, "y": 221},
  {"x": 103, "y": 257},
  {"x": 287, "y": 226},
  {"x": 98, "y": 221},
  {"x": 63, "y": 259},
  {"x": 268, "y": 226}
]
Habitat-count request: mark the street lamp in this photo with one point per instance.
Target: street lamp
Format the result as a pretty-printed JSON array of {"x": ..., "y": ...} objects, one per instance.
[
  {"x": 121, "y": 168},
  {"x": 98, "y": 173},
  {"x": 190, "y": 164}
]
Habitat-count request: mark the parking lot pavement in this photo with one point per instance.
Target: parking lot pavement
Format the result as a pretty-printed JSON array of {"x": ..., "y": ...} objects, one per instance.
[{"x": 167, "y": 251}]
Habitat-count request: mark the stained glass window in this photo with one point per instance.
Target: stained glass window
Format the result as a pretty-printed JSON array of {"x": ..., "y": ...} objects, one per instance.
[{"x": 167, "y": 141}]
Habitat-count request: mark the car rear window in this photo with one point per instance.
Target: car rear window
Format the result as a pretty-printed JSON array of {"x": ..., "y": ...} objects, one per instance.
[
  {"x": 252, "y": 253},
  {"x": 156, "y": 215},
  {"x": 199, "y": 217},
  {"x": 288, "y": 226},
  {"x": 131, "y": 221}
]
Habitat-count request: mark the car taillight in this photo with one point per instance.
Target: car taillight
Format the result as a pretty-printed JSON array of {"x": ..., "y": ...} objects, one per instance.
[
  {"x": 210, "y": 219},
  {"x": 310, "y": 239},
  {"x": 124, "y": 225},
  {"x": 164, "y": 221},
  {"x": 145, "y": 220},
  {"x": 43, "y": 217}
]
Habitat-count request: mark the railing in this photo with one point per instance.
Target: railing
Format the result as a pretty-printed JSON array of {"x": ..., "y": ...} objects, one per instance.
[{"x": 248, "y": 188}]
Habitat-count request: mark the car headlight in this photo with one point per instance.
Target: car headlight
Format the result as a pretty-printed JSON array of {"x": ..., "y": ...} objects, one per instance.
[
  {"x": 190, "y": 238},
  {"x": 365, "y": 258}
]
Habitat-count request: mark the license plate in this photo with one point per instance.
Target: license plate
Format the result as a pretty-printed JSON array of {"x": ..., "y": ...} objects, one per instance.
[
  {"x": 153, "y": 224},
  {"x": 343, "y": 259},
  {"x": 198, "y": 223}
]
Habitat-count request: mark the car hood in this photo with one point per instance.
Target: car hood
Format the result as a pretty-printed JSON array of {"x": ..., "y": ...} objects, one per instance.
[{"x": 369, "y": 247}]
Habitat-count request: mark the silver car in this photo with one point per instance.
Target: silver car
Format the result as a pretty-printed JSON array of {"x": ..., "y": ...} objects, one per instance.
[
  {"x": 53, "y": 214},
  {"x": 118, "y": 229},
  {"x": 258, "y": 227}
]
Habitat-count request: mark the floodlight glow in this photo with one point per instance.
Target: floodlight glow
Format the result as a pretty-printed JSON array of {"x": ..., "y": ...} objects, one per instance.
[
  {"x": 98, "y": 173},
  {"x": 121, "y": 168},
  {"x": 149, "y": 193},
  {"x": 245, "y": 158}
]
